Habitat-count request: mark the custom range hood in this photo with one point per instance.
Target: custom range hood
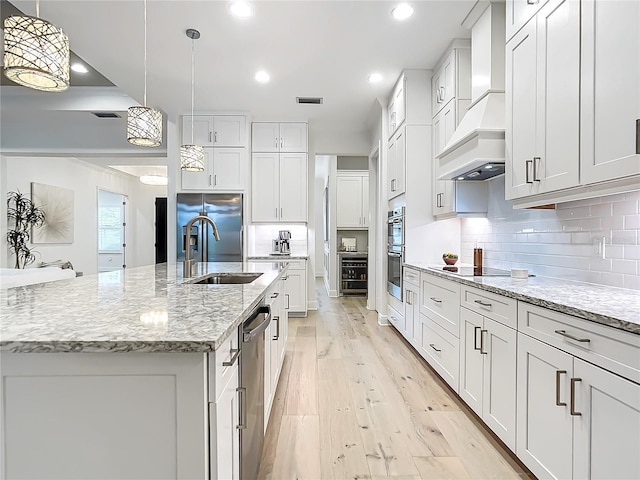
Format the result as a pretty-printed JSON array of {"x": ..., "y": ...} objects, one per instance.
[{"x": 476, "y": 150}]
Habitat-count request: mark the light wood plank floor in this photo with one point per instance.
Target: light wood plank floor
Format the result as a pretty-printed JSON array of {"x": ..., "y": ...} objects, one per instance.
[{"x": 356, "y": 402}]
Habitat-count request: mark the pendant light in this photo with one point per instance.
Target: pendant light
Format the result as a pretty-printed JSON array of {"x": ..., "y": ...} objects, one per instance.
[
  {"x": 192, "y": 156},
  {"x": 36, "y": 53},
  {"x": 144, "y": 124}
]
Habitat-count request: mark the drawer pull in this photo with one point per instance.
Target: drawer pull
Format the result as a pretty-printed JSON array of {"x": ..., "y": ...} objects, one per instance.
[
  {"x": 475, "y": 337},
  {"x": 277, "y": 335},
  {"x": 480, "y": 302},
  {"x": 275, "y": 295},
  {"x": 558, "y": 402},
  {"x": 436, "y": 299},
  {"x": 435, "y": 348},
  {"x": 243, "y": 408},
  {"x": 482, "y": 342},
  {"x": 565, "y": 334},
  {"x": 235, "y": 353},
  {"x": 573, "y": 397}
]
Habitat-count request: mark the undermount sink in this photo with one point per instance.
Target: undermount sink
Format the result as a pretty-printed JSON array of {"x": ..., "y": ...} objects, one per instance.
[{"x": 233, "y": 278}]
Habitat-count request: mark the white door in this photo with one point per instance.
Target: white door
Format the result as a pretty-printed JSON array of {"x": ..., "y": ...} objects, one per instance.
[
  {"x": 499, "y": 380},
  {"x": 544, "y": 424},
  {"x": 112, "y": 209},
  {"x": 349, "y": 201},
  {"x": 224, "y": 419},
  {"x": 556, "y": 161},
  {"x": 295, "y": 293},
  {"x": 520, "y": 99},
  {"x": 607, "y": 431},
  {"x": 365, "y": 201},
  {"x": 293, "y": 137},
  {"x": 610, "y": 90},
  {"x": 202, "y": 130},
  {"x": 229, "y": 130},
  {"x": 471, "y": 359},
  {"x": 200, "y": 180},
  {"x": 229, "y": 169},
  {"x": 293, "y": 187},
  {"x": 265, "y": 187},
  {"x": 265, "y": 137}
]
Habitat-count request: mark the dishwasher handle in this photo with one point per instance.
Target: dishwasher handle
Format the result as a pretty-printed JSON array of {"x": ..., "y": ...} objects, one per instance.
[{"x": 256, "y": 324}]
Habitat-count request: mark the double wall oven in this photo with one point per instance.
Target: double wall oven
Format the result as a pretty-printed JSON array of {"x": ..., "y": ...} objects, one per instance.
[{"x": 395, "y": 251}]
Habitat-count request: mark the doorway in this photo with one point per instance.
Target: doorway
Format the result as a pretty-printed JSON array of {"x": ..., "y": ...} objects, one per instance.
[
  {"x": 112, "y": 223},
  {"x": 161, "y": 229}
]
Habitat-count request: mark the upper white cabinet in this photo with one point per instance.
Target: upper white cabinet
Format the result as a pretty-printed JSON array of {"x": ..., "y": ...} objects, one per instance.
[
  {"x": 396, "y": 167},
  {"x": 452, "y": 76},
  {"x": 519, "y": 12},
  {"x": 225, "y": 170},
  {"x": 286, "y": 137},
  {"x": 409, "y": 101},
  {"x": 543, "y": 103},
  {"x": 352, "y": 192},
  {"x": 215, "y": 130},
  {"x": 610, "y": 95}
]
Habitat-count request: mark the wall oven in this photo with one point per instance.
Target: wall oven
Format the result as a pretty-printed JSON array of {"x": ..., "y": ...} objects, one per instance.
[{"x": 395, "y": 251}]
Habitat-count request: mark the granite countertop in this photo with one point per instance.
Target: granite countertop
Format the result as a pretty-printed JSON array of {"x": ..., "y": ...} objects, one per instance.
[
  {"x": 280, "y": 258},
  {"x": 616, "y": 307},
  {"x": 353, "y": 254},
  {"x": 144, "y": 309}
]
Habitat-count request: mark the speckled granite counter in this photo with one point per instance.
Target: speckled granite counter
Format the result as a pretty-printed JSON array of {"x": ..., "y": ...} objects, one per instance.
[
  {"x": 144, "y": 309},
  {"x": 615, "y": 307},
  {"x": 279, "y": 258}
]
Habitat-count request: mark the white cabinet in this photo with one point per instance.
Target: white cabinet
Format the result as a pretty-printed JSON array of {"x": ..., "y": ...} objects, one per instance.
[
  {"x": 610, "y": 90},
  {"x": 543, "y": 104},
  {"x": 397, "y": 163},
  {"x": 352, "y": 192},
  {"x": 396, "y": 109},
  {"x": 411, "y": 279},
  {"x": 410, "y": 100},
  {"x": 225, "y": 170},
  {"x": 296, "y": 288},
  {"x": 452, "y": 76},
  {"x": 519, "y": 12},
  {"x": 274, "y": 342},
  {"x": 279, "y": 187},
  {"x": 215, "y": 130},
  {"x": 444, "y": 124},
  {"x": 288, "y": 137},
  {"x": 224, "y": 434}
]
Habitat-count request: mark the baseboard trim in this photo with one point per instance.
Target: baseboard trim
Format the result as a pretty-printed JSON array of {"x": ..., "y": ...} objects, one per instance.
[
  {"x": 312, "y": 305},
  {"x": 333, "y": 293},
  {"x": 383, "y": 320}
]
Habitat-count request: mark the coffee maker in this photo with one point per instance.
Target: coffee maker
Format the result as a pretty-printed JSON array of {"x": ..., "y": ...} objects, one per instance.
[{"x": 282, "y": 244}]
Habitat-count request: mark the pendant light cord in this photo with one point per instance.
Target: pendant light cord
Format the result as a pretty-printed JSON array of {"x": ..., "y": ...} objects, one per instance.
[
  {"x": 145, "y": 53},
  {"x": 193, "y": 62},
  {"x": 38, "y": 8}
]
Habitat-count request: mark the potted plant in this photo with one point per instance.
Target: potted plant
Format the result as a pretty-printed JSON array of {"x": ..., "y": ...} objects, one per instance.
[
  {"x": 25, "y": 215},
  {"x": 450, "y": 258}
]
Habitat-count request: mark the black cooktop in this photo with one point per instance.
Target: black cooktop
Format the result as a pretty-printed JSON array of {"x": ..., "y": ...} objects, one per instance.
[{"x": 473, "y": 271}]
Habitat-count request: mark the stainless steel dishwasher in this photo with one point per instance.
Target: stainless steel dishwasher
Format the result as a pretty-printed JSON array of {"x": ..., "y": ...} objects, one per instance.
[{"x": 252, "y": 389}]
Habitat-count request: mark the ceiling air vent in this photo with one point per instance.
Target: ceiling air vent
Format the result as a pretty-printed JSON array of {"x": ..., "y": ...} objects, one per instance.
[
  {"x": 106, "y": 115},
  {"x": 310, "y": 100}
]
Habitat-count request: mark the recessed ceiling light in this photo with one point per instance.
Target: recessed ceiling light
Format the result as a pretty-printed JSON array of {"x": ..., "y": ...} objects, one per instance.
[
  {"x": 154, "y": 180},
  {"x": 375, "y": 78},
  {"x": 240, "y": 9},
  {"x": 262, "y": 77},
  {"x": 402, "y": 11},
  {"x": 79, "y": 68}
]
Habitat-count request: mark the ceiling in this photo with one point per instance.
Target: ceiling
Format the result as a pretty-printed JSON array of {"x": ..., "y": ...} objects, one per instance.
[{"x": 310, "y": 48}]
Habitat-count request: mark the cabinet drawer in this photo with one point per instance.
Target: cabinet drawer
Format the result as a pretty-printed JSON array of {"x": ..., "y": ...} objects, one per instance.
[
  {"x": 497, "y": 307},
  {"x": 395, "y": 318},
  {"x": 440, "y": 301},
  {"x": 297, "y": 264},
  {"x": 219, "y": 374},
  {"x": 614, "y": 350},
  {"x": 412, "y": 276},
  {"x": 440, "y": 349}
]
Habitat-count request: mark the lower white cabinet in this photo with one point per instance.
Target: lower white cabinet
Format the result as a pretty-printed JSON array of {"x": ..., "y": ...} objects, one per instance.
[
  {"x": 223, "y": 425},
  {"x": 275, "y": 338},
  {"x": 488, "y": 372},
  {"x": 296, "y": 288},
  {"x": 411, "y": 312},
  {"x": 440, "y": 348}
]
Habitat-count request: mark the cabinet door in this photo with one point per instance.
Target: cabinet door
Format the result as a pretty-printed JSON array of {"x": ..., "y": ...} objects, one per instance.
[
  {"x": 293, "y": 137},
  {"x": 200, "y": 180},
  {"x": 202, "y": 130},
  {"x": 544, "y": 424},
  {"x": 498, "y": 344},
  {"x": 391, "y": 168},
  {"x": 607, "y": 433},
  {"x": 400, "y": 162},
  {"x": 293, "y": 187},
  {"x": 399, "y": 101},
  {"x": 365, "y": 201},
  {"x": 610, "y": 90},
  {"x": 437, "y": 90},
  {"x": 265, "y": 137},
  {"x": 520, "y": 133},
  {"x": 349, "y": 202},
  {"x": 556, "y": 161},
  {"x": 519, "y": 12},
  {"x": 223, "y": 421},
  {"x": 395, "y": 318},
  {"x": 471, "y": 360},
  {"x": 449, "y": 74},
  {"x": 414, "y": 309},
  {"x": 296, "y": 291},
  {"x": 229, "y": 169},
  {"x": 229, "y": 130},
  {"x": 265, "y": 187},
  {"x": 268, "y": 394}
]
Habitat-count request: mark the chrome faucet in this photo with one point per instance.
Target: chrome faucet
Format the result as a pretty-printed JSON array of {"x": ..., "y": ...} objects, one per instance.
[{"x": 188, "y": 262}]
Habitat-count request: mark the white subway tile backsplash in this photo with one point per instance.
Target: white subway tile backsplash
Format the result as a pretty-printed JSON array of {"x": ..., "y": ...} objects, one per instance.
[
  {"x": 624, "y": 237},
  {"x": 626, "y": 207},
  {"x": 631, "y": 222},
  {"x": 628, "y": 267}
]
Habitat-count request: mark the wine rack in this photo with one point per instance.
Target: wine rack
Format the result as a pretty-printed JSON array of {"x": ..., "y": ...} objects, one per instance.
[{"x": 354, "y": 275}]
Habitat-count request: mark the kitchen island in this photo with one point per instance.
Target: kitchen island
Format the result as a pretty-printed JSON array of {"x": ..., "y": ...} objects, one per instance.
[{"x": 125, "y": 374}]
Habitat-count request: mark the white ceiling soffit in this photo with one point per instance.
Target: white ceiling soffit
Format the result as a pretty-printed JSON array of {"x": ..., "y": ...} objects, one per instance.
[{"x": 310, "y": 48}]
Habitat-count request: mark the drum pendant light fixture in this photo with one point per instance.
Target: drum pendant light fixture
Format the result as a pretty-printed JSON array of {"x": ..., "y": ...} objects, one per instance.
[
  {"x": 36, "y": 53},
  {"x": 144, "y": 124},
  {"x": 192, "y": 156}
]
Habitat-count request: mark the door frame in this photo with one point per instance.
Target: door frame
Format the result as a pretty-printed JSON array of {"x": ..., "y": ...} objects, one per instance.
[{"x": 374, "y": 173}]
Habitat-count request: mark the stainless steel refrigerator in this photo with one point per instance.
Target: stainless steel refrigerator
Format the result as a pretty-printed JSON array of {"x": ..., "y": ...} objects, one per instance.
[{"x": 223, "y": 208}]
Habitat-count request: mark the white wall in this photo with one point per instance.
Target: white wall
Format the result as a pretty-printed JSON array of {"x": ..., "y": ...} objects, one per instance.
[
  {"x": 321, "y": 180},
  {"x": 561, "y": 243},
  {"x": 85, "y": 179}
]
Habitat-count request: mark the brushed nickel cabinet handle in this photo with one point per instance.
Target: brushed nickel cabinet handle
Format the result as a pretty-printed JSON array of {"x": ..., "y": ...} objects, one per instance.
[
  {"x": 442, "y": 94},
  {"x": 482, "y": 341},
  {"x": 235, "y": 353},
  {"x": 565, "y": 334},
  {"x": 277, "y": 335},
  {"x": 275, "y": 295},
  {"x": 209, "y": 137},
  {"x": 281, "y": 214},
  {"x": 243, "y": 408},
  {"x": 288, "y": 300},
  {"x": 558, "y": 402},
  {"x": 281, "y": 142},
  {"x": 532, "y": 2},
  {"x": 437, "y": 300},
  {"x": 573, "y": 397},
  {"x": 536, "y": 165},
  {"x": 526, "y": 171},
  {"x": 215, "y": 137},
  {"x": 435, "y": 348},
  {"x": 480, "y": 302},
  {"x": 638, "y": 136},
  {"x": 209, "y": 180},
  {"x": 475, "y": 337},
  {"x": 215, "y": 180},
  {"x": 276, "y": 212},
  {"x": 276, "y": 145}
]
